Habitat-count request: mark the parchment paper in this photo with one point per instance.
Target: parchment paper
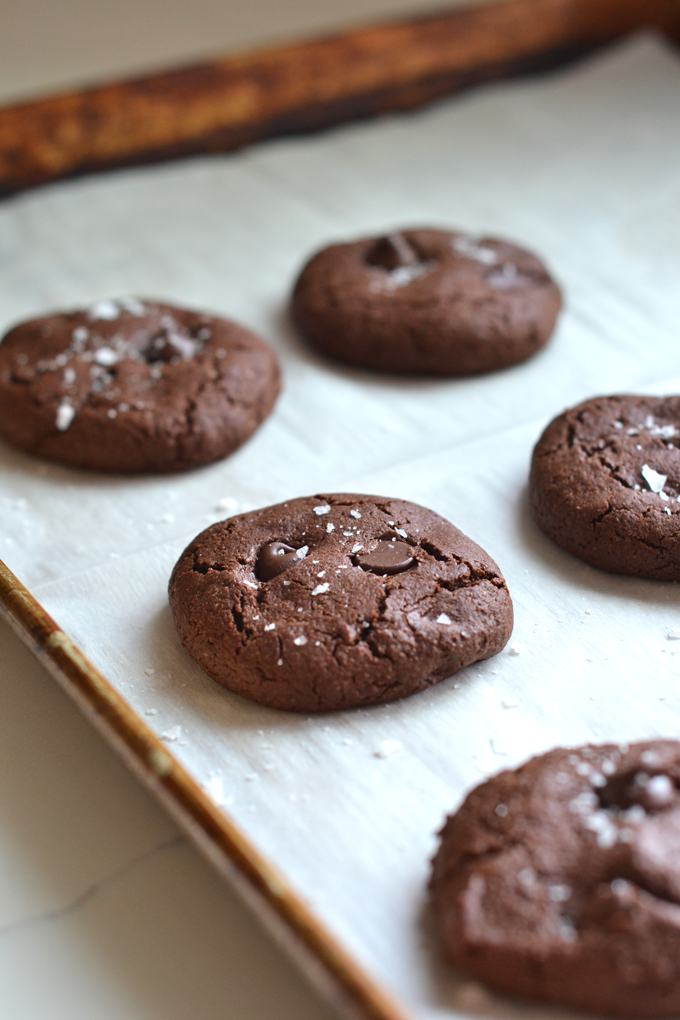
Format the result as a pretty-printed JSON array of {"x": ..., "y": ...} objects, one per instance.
[{"x": 583, "y": 166}]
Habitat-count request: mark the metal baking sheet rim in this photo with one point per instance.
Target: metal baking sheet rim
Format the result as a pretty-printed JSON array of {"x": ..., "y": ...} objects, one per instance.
[{"x": 288, "y": 919}]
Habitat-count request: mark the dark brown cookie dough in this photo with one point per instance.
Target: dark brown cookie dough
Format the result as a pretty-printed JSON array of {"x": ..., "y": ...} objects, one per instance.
[
  {"x": 133, "y": 386},
  {"x": 426, "y": 301},
  {"x": 605, "y": 484},
  {"x": 561, "y": 880},
  {"x": 333, "y": 601}
]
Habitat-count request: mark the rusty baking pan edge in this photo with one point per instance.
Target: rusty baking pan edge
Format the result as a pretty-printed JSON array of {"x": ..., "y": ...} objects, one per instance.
[
  {"x": 333, "y": 972},
  {"x": 226, "y": 103}
]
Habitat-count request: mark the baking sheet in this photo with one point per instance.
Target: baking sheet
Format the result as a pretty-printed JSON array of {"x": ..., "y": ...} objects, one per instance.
[{"x": 582, "y": 166}]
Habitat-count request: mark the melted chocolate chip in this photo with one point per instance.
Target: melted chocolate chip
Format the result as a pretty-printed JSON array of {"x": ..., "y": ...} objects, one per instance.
[
  {"x": 274, "y": 558},
  {"x": 391, "y": 252},
  {"x": 387, "y": 558}
]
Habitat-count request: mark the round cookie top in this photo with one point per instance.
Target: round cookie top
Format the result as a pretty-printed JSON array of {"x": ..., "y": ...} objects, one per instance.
[
  {"x": 133, "y": 386},
  {"x": 561, "y": 880},
  {"x": 333, "y": 601},
  {"x": 605, "y": 484},
  {"x": 426, "y": 301}
]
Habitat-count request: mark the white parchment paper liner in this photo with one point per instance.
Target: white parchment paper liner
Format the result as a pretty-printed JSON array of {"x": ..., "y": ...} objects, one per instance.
[{"x": 583, "y": 167}]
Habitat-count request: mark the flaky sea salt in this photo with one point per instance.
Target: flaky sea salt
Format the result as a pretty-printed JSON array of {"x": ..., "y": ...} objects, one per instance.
[
  {"x": 321, "y": 510},
  {"x": 401, "y": 276},
  {"x": 654, "y": 480},
  {"x": 105, "y": 356},
  {"x": 664, "y": 431},
  {"x": 321, "y": 588},
  {"x": 469, "y": 248},
  {"x": 301, "y": 640},
  {"x": 80, "y": 335},
  {"x": 444, "y": 619},
  {"x": 65, "y": 415},
  {"x": 517, "y": 648},
  {"x": 604, "y": 828},
  {"x": 104, "y": 310},
  {"x": 174, "y": 733},
  {"x": 270, "y": 626},
  {"x": 355, "y": 513}
]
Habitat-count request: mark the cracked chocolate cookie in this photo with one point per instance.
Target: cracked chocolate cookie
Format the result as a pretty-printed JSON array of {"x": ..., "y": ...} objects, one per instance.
[
  {"x": 133, "y": 386},
  {"x": 561, "y": 880},
  {"x": 333, "y": 601},
  {"x": 426, "y": 301},
  {"x": 605, "y": 484}
]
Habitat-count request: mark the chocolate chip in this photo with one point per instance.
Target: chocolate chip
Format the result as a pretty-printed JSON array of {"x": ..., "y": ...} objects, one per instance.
[
  {"x": 274, "y": 558},
  {"x": 388, "y": 557},
  {"x": 391, "y": 252}
]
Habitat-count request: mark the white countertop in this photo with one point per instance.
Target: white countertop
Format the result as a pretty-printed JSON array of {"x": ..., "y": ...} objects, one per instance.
[{"x": 106, "y": 911}]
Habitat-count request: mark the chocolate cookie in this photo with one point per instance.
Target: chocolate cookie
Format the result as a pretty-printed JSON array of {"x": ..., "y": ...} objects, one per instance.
[
  {"x": 561, "y": 880},
  {"x": 133, "y": 386},
  {"x": 426, "y": 301},
  {"x": 333, "y": 601},
  {"x": 605, "y": 484}
]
